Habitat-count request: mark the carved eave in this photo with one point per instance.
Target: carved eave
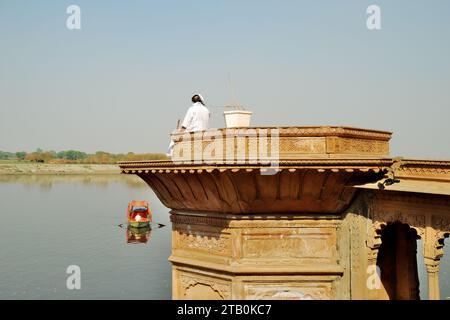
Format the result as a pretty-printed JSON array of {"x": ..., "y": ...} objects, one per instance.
[
  {"x": 316, "y": 186},
  {"x": 321, "y": 165},
  {"x": 427, "y": 170},
  {"x": 418, "y": 176}
]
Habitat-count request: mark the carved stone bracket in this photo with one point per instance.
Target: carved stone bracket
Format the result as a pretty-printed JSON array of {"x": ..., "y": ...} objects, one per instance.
[
  {"x": 442, "y": 227},
  {"x": 374, "y": 241},
  {"x": 438, "y": 228}
]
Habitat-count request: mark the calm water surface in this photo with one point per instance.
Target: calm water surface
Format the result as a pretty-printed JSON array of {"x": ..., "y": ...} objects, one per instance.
[{"x": 51, "y": 222}]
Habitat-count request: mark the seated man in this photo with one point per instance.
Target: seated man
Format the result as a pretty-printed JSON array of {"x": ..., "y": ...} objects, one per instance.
[{"x": 196, "y": 119}]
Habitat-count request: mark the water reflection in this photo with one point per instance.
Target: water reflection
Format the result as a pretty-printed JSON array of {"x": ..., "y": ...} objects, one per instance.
[{"x": 138, "y": 235}]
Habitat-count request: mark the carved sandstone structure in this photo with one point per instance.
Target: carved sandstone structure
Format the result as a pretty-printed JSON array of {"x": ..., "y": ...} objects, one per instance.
[{"x": 299, "y": 213}]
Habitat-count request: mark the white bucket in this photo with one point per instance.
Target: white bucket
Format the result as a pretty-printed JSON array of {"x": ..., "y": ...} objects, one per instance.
[{"x": 237, "y": 118}]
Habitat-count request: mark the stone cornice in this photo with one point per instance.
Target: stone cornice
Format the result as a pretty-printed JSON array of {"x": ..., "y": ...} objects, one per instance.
[
  {"x": 223, "y": 220},
  {"x": 306, "y": 269},
  {"x": 433, "y": 170},
  {"x": 412, "y": 197},
  {"x": 335, "y": 165}
]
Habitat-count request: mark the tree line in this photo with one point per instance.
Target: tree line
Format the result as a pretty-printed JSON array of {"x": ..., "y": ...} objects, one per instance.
[{"x": 75, "y": 156}]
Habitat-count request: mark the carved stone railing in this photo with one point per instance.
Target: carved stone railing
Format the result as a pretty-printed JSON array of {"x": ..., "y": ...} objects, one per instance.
[{"x": 258, "y": 145}]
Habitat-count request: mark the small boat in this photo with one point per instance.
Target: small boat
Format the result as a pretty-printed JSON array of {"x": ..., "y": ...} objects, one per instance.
[{"x": 139, "y": 214}]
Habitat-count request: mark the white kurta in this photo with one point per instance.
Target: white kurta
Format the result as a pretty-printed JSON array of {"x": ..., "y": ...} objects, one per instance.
[{"x": 197, "y": 118}]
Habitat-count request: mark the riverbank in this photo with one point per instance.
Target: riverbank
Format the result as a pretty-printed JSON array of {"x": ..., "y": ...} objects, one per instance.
[{"x": 57, "y": 169}]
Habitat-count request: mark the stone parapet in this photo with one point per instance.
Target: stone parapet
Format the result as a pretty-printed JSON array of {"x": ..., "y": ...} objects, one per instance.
[{"x": 257, "y": 145}]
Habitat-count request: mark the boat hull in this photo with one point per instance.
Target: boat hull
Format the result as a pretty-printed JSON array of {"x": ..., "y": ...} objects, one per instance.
[{"x": 139, "y": 224}]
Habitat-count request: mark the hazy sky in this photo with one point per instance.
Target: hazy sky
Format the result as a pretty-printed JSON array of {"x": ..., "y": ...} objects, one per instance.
[{"x": 121, "y": 82}]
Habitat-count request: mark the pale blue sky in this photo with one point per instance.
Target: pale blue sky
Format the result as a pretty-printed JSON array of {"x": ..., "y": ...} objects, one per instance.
[{"x": 120, "y": 83}]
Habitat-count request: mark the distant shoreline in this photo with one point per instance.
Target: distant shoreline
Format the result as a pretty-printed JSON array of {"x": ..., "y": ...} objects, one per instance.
[{"x": 57, "y": 169}]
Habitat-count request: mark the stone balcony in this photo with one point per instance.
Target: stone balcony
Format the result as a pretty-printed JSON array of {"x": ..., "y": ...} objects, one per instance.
[{"x": 265, "y": 170}]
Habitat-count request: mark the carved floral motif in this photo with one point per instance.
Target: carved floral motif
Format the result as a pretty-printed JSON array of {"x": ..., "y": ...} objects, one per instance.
[
  {"x": 288, "y": 293},
  {"x": 212, "y": 244}
]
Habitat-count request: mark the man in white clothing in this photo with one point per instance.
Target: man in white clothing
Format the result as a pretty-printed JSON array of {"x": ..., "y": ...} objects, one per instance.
[
  {"x": 197, "y": 116},
  {"x": 196, "y": 119}
]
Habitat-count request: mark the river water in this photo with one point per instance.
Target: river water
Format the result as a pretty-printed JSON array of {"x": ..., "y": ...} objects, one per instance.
[{"x": 49, "y": 223}]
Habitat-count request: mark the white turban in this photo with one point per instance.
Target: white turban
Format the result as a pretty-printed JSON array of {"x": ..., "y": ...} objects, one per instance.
[{"x": 201, "y": 98}]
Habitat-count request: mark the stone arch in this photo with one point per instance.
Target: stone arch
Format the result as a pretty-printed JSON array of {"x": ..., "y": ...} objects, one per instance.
[
  {"x": 202, "y": 291},
  {"x": 397, "y": 260},
  {"x": 195, "y": 289},
  {"x": 374, "y": 240}
]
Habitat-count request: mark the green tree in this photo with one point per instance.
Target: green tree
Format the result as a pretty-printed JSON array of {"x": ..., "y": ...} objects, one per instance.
[
  {"x": 21, "y": 155},
  {"x": 72, "y": 155},
  {"x": 75, "y": 155}
]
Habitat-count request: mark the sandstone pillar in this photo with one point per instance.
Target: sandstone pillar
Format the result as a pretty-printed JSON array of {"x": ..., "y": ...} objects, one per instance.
[{"x": 433, "y": 278}]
